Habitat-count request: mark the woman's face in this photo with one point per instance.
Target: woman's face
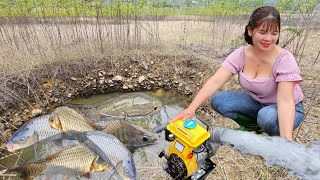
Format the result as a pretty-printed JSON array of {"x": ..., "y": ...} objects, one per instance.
[{"x": 263, "y": 37}]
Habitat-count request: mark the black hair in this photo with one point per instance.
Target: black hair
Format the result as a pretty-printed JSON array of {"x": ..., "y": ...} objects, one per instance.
[{"x": 268, "y": 16}]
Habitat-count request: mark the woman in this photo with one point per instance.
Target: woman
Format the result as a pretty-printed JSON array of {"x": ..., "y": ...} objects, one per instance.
[{"x": 268, "y": 73}]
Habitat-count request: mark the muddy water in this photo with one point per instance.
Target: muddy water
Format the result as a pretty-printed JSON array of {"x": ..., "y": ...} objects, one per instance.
[{"x": 148, "y": 164}]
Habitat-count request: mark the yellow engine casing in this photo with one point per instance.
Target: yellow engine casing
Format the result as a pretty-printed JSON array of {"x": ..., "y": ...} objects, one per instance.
[{"x": 186, "y": 140}]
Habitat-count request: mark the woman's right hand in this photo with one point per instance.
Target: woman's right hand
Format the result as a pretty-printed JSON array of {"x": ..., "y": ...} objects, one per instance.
[{"x": 185, "y": 114}]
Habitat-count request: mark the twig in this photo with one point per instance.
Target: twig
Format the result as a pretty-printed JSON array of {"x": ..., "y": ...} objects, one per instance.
[
  {"x": 8, "y": 123},
  {"x": 225, "y": 173}
]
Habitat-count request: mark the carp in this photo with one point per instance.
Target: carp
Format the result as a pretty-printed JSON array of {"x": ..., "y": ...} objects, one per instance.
[
  {"x": 32, "y": 131},
  {"x": 64, "y": 119},
  {"x": 132, "y": 136},
  {"x": 132, "y": 104},
  {"x": 107, "y": 147},
  {"x": 76, "y": 160}
]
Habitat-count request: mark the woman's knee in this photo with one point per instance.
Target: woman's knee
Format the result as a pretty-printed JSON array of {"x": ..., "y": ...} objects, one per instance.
[
  {"x": 221, "y": 102},
  {"x": 268, "y": 120},
  {"x": 216, "y": 101}
]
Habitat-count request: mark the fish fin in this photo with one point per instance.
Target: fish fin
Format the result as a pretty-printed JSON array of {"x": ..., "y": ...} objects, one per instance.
[
  {"x": 23, "y": 170},
  {"x": 55, "y": 122},
  {"x": 114, "y": 126},
  {"x": 87, "y": 176},
  {"x": 131, "y": 147},
  {"x": 98, "y": 166},
  {"x": 60, "y": 124}
]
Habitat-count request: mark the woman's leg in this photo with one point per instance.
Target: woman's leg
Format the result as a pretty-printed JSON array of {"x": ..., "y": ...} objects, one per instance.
[
  {"x": 268, "y": 118},
  {"x": 239, "y": 106}
]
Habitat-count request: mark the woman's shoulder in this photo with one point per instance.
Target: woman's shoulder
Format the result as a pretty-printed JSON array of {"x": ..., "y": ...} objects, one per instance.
[
  {"x": 238, "y": 53},
  {"x": 285, "y": 53},
  {"x": 286, "y": 62},
  {"x": 286, "y": 58}
]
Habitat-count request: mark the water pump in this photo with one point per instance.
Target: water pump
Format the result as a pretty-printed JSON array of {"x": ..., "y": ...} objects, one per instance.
[{"x": 190, "y": 151}]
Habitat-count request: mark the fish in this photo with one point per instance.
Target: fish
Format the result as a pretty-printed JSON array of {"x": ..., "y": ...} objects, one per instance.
[
  {"x": 107, "y": 147},
  {"x": 32, "y": 131},
  {"x": 132, "y": 136},
  {"x": 64, "y": 118},
  {"x": 130, "y": 105},
  {"x": 76, "y": 160},
  {"x": 61, "y": 119}
]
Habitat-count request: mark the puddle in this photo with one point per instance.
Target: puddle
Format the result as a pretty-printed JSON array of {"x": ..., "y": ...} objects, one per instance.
[{"x": 147, "y": 162}]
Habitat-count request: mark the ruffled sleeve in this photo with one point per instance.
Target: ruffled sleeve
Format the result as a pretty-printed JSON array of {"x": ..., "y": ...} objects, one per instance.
[
  {"x": 288, "y": 69},
  {"x": 234, "y": 61}
]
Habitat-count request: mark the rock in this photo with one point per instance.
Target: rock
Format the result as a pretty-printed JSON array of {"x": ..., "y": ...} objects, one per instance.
[
  {"x": 55, "y": 99},
  {"x": 117, "y": 78},
  {"x": 101, "y": 73},
  {"x": 125, "y": 87},
  {"x": 150, "y": 76},
  {"x": 144, "y": 66},
  {"x": 187, "y": 90},
  {"x": 141, "y": 79},
  {"x": 73, "y": 79},
  {"x": 110, "y": 74}
]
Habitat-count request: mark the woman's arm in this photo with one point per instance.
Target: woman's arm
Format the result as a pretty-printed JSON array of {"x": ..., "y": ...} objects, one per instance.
[
  {"x": 286, "y": 109},
  {"x": 209, "y": 88}
]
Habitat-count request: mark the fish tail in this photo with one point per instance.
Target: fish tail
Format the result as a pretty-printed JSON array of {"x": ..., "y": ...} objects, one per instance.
[{"x": 28, "y": 171}]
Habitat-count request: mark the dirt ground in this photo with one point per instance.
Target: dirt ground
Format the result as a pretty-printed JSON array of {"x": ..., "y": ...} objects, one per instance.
[{"x": 187, "y": 53}]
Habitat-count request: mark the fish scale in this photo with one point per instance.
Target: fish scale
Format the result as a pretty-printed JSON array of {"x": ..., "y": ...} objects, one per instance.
[
  {"x": 68, "y": 117},
  {"x": 38, "y": 129},
  {"x": 114, "y": 126},
  {"x": 119, "y": 128},
  {"x": 109, "y": 148},
  {"x": 75, "y": 160},
  {"x": 43, "y": 128},
  {"x": 107, "y": 145},
  {"x": 69, "y": 160}
]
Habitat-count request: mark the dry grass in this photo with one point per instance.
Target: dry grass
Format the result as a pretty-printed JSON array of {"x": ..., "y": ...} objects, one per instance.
[{"x": 58, "y": 49}]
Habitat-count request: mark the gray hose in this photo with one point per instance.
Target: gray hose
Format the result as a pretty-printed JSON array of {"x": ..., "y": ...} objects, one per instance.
[{"x": 216, "y": 135}]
